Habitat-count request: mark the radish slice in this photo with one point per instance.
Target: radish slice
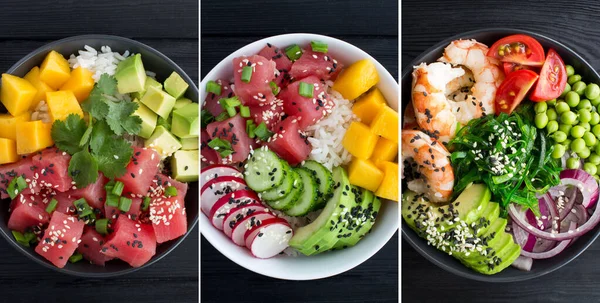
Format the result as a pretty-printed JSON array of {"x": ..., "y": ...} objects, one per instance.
[
  {"x": 553, "y": 252},
  {"x": 523, "y": 263},
  {"x": 240, "y": 228},
  {"x": 270, "y": 239},
  {"x": 239, "y": 213},
  {"x": 228, "y": 202},
  {"x": 214, "y": 171},
  {"x": 216, "y": 188}
]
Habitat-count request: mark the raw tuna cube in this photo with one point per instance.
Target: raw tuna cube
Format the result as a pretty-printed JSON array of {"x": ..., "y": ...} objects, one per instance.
[
  {"x": 289, "y": 142},
  {"x": 271, "y": 114},
  {"x": 133, "y": 213},
  {"x": 140, "y": 171},
  {"x": 234, "y": 131},
  {"x": 257, "y": 90},
  {"x": 94, "y": 194},
  {"x": 26, "y": 213},
  {"x": 60, "y": 239},
  {"x": 211, "y": 103},
  {"x": 65, "y": 203},
  {"x": 22, "y": 168},
  {"x": 90, "y": 246},
  {"x": 311, "y": 110},
  {"x": 207, "y": 154},
  {"x": 131, "y": 241},
  {"x": 166, "y": 181},
  {"x": 282, "y": 63},
  {"x": 315, "y": 64},
  {"x": 168, "y": 218},
  {"x": 52, "y": 166}
]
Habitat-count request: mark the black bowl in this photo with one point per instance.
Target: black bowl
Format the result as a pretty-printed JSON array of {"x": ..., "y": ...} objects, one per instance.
[
  {"x": 153, "y": 61},
  {"x": 510, "y": 274}
]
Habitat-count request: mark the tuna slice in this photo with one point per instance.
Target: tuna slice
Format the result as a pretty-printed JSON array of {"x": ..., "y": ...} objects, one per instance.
[
  {"x": 282, "y": 63},
  {"x": 140, "y": 171},
  {"x": 131, "y": 241},
  {"x": 232, "y": 130},
  {"x": 289, "y": 142},
  {"x": 65, "y": 203},
  {"x": 211, "y": 103},
  {"x": 309, "y": 110},
  {"x": 316, "y": 64},
  {"x": 207, "y": 154},
  {"x": 271, "y": 114},
  {"x": 168, "y": 218},
  {"x": 258, "y": 90},
  {"x": 27, "y": 213},
  {"x": 24, "y": 168},
  {"x": 52, "y": 166},
  {"x": 94, "y": 194},
  {"x": 90, "y": 246},
  {"x": 60, "y": 239}
]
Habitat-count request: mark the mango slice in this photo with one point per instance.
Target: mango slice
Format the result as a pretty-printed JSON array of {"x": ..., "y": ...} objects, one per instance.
[
  {"x": 389, "y": 186},
  {"x": 356, "y": 79},
  {"x": 385, "y": 150},
  {"x": 8, "y": 151},
  {"x": 80, "y": 83},
  {"x": 8, "y": 125},
  {"x": 61, "y": 104},
  {"x": 385, "y": 124},
  {"x": 33, "y": 76},
  {"x": 16, "y": 94},
  {"x": 359, "y": 140},
  {"x": 367, "y": 106},
  {"x": 55, "y": 70},
  {"x": 33, "y": 136},
  {"x": 365, "y": 174}
]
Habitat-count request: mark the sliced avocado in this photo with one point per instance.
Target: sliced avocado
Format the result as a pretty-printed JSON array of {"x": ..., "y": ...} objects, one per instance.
[
  {"x": 163, "y": 142},
  {"x": 185, "y": 166},
  {"x": 158, "y": 101},
  {"x": 190, "y": 143},
  {"x": 148, "y": 120},
  {"x": 131, "y": 75},
  {"x": 175, "y": 85},
  {"x": 181, "y": 102},
  {"x": 501, "y": 260},
  {"x": 149, "y": 82},
  {"x": 495, "y": 239},
  {"x": 365, "y": 216},
  {"x": 472, "y": 201},
  {"x": 186, "y": 121}
]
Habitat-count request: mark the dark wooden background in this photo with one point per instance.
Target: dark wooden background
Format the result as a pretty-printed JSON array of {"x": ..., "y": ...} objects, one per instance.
[
  {"x": 229, "y": 25},
  {"x": 574, "y": 23},
  {"x": 172, "y": 28}
]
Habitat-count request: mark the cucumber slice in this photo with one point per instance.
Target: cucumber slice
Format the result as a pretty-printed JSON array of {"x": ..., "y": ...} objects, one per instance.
[
  {"x": 265, "y": 170},
  {"x": 280, "y": 191},
  {"x": 290, "y": 199},
  {"x": 324, "y": 182},
  {"x": 309, "y": 195}
]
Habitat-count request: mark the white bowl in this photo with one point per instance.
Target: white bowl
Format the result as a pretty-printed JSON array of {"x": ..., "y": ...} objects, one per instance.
[{"x": 329, "y": 263}]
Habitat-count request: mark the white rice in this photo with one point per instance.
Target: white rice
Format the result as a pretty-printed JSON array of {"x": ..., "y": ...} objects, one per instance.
[{"x": 103, "y": 62}]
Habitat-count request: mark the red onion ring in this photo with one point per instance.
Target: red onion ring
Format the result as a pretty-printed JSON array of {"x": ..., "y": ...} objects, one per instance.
[
  {"x": 587, "y": 185},
  {"x": 523, "y": 263},
  {"x": 569, "y": 206},
  {"x": 553, "y": 252},
  {"x": 524, "y": 239}
]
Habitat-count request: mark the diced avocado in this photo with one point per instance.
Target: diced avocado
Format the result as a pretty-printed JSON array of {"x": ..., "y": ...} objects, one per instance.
[
  {"x": 131, "y": 75},
  {"x": 149, "y": 82},
  {"x": 186, "y": 121},
  {"x": 175, "y": 85},
  {"x": 190, "y": 143},
  {"x": 166, "y": 123},
  {"x": 181, "y": 102},
  {"x": 163, "y": 142},
  {"x": 185, "y": 166},
  {"x": 148, "y": 120},
  {"x": 158, "y": 101}
]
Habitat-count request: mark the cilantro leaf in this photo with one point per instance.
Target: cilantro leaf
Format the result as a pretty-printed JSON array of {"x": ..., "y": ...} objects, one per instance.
[
  {"x": 67, "y": 133},
  {"x": 120, "y": 118},
  {"x": 83, "y": 168},
  {"x": 96, "y": 104},
  {"x": 100, "y": 134},
  {"x": 113, "y": 156},
  {"x": 107, "y": 84}
]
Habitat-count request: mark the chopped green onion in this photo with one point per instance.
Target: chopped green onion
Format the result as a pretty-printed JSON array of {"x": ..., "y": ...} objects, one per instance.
[
  {"x": 245, "y": 111},
  {"x": 252, "y": 131},
  {"x": 109, "y": 186},
  {"x": 145, "y": 203},
  {"x": 51, "y": 206},
  {"x": 82, "y": 208},
  {"x": 247, "y": 74},
  {"x": 20, "y": 238},
  {"x": 16, "y": 186},
  {"x": 124, "y": 204},
  {"x": 263, "y": 132},
  {"x": 170, "y": 191},
  {"x": 274, "y": 88},
  {"x": 102, "y": 226},
  {"x": 213, "y": 87},
  {"x": 75, "y": 258},
  {"x": 30, "y": 237},
  {"x": 225, "y": 153},
  {"x": 206, "y": 118},
  {"x": 293, "y": 52},
  {"x": 222, "y": 116},
  {"x": 231, "y": 111},
  {"x": 118, "y": 189},
  {"x": 112, "y": 200},
  {"x": 223, "y": 147},
  {"x": 318, "y": 46},
  {"x": 306, "y": 89}
]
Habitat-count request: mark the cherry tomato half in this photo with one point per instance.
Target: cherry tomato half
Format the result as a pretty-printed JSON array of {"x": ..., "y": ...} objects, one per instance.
[
  {"x": 511, "y": 67},
  {"x": 521, "y": 49},
  {"x": 513, "y": 89},
  {"x": 553, "y": 79}
]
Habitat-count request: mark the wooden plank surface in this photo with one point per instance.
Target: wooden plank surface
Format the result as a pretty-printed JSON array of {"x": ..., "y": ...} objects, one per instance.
[
  {"x": 370, "y": 25},
  {"x": 574, "y": 23}
]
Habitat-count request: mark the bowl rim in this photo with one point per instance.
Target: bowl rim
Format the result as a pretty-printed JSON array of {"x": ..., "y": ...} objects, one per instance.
[
  {"x": 155, "y": 258},
  {"x": 204, "y": 222},
  {"x": 406, "y": 71}
]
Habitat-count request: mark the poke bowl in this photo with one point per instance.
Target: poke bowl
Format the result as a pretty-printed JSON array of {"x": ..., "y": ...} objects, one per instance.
[
  {"x": 535, "y": 254},
  {"x": 73, "y": 215},
  {"x": 297, "y": 231}
]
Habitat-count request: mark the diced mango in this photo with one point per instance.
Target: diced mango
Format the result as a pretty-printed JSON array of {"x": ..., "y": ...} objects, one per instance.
[
  {"x": 365, "y": 174},
  {"x": 33, "y": 76},
  {"x": 33, "y": 136},
  {"x": 8, "y": 125},
  {"x": 389, "y": 186},
  {"x": 8, "y": 151},
  {"x": 16, "y": 94},
  {"x": 359, "y": 140},
  {"x": 61, "y": 104},
  {"x": 367, "y": 106},
  {"x": 385, "y": 124},
  {"x": 80, "y": 83},
  {"x": 356, "y": 79},
  {"x": 385, "y": 150},
  {"x": 55, "y": 70}
]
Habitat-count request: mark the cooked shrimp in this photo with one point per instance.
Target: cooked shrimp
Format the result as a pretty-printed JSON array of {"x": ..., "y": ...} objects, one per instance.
[
  {"x": 410, "y": 121},
  {"x": 431, "y": 162}
]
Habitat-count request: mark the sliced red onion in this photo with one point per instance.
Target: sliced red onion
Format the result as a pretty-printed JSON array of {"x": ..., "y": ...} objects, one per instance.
[
  {"x": 523, "y": 238},
  {"x": 523, "y": 263},
  {"x": 553, "y": 252},
  {"x": 587, "y": 185},
  {"x": 570, "y": 196}
]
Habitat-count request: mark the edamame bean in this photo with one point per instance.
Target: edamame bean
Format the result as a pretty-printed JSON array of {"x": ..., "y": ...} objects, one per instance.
[
  {"x": 592, "y": 91},
  {"x": 595, "y": 101},
  {"x": 570, "y": 70},
  {"x": 596, "y": 131},
  {"x": 589, "y": 138},
  {"x": 567, "y": 142},
  {"x": 584, "y": 115},
  {"x": 572, "y": 99},
  {"x": 565, "y": 128},
  {"x": 558, "y": 151},
  {"x": 573, "y": 163},
  {"x": 567, "y": 117},
  {"x": 562, "y": 107},
  {"x": 540, "y": 107},
  {"x": 595, "y": 118},
  {"x": 551, "y": 102},
  {"x": 585, "y": 153},
  {"x": 573, "y": 78},
  {"x": 590, "y": 168},
  {"x": 566, "y": 90},
  {"x": 559, "y": 136},
  {"x": 541, "y": 120},
  {"x": 577, "y": 131},
  {"x": 551, "y": 113},
  {"x": 577, "y": 145},
  {"x": 579, "y": 87},
  {"x": 584, "y": 104},
  {"x": 594, "y": 158},
  {"x": 552, "y": 126},
  {"x": 585, "y": 125}
]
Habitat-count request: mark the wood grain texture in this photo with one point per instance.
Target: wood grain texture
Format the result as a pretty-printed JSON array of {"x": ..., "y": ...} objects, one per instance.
[
  {"x": 574, "y": 23},
  {"x": 370, "y": 25}
]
